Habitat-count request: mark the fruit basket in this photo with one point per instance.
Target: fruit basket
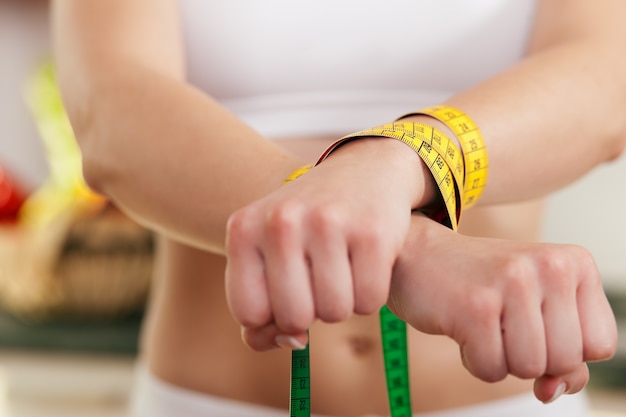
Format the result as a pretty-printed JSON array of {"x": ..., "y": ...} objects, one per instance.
[{"x": 70, "y": 252}]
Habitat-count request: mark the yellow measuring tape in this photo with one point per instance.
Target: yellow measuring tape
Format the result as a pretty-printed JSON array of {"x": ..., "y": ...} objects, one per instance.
[
  {"x": 439, "y": 153},
  {"x": 472, "y": 146},
  {"x": 451, "y": 169}
]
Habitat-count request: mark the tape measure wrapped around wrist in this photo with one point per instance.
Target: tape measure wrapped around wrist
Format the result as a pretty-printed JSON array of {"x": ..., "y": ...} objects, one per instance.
[
  {"x": 440, "y": 154},
  {"x": 472, "y": 144}
]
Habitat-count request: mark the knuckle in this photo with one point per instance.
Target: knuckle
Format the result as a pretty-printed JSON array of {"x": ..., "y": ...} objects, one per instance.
[
  {"x": 371, "y": 236},
  {"x": 298, "y": 320},
  {"x": 565, "y": 267},
  {"x": 370, "y": 303},
  {"x": 325, "y": 219},
  {"x": 565, "y": 262},
  {"x": 255, "y": 341},
  {"x": 519, "y": 276},
  {"x": 250, "y": 316},
  {"x": 488, "y": 373},
  {"x": 246, "y": 311},
  {"x": 602, "y": 351},
  {"x": 482, "y": 304},
  {"x": 550, "y": 266},
  {"x": 496, "y": 375},
  {"x": 282, "y": 220},
  {"x": 251, "y": 321},
  {"x": 555, "y": 263},
  {"x": 238, "y": 227},
  {"x": 334, "y": 313},
  {"x": 516, "y": 269},
  {"x": 584, "y": 256},
  {"x": 528, "y": 369},
  {"x": 586, "y": 263}
]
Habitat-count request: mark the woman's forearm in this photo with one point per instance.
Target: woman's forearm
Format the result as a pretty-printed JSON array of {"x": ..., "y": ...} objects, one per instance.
[
  {"x": 173, "y": 162},
  {"x": 559, "y": 113},
  {"x": 545, "y": 121},
  {"x": 164, "y": 152}
]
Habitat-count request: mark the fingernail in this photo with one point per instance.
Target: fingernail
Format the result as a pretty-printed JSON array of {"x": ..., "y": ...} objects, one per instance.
[
  {"x": 288, "y": 342},
  {"x": 558, "y": 392}
]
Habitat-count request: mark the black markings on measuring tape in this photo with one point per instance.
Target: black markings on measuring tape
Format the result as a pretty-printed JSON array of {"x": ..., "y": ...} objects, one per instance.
[
  {"x": 300, "y": 394},
  {"x": 395, "y": 356}
]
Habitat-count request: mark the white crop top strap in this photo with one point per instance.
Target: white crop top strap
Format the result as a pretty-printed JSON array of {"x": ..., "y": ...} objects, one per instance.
[{"x": 334, "y": 66}]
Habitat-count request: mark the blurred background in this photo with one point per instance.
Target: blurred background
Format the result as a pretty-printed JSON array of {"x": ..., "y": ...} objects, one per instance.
[{"x": 75, "y": 272}]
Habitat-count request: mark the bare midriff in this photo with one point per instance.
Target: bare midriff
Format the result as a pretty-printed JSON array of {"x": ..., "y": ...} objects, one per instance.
[{"x": 191, "y": 340}]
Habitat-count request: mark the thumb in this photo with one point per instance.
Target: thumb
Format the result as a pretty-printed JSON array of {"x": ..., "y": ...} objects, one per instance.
[{"x": 548, "y": 387}]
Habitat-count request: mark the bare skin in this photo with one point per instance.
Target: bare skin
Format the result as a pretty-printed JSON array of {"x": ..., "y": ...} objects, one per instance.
[
  {"x": 121, "y": 69},
  {"x": 190, "y": 290}
]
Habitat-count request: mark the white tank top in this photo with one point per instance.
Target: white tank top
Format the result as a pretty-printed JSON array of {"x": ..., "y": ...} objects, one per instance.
[{"x": 307, "y": 67}]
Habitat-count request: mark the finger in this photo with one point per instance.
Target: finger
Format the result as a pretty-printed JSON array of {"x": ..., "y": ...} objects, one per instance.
[
  {"x": 270, "y": 337},
  {"x": 597, "y": 321},
  {"x": 371, "y": 270},
  {"x": 523, "y": 331},
  {"x": 333, "y": 292},
  {"x": 287, "y": 273},
  {"x": 246, "y": 288},
  {"x": 480, "y": 338},
  {"x": 562, "y": 328},
  {"x": 548, "y": 388},
  {"x": 563, "y": 337}
]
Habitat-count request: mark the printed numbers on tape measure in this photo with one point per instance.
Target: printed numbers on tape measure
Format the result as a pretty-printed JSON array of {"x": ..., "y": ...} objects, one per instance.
[
  {"x": 395, "y": 356},
  {"x": 444, "y": 164},
  {"x": 300, "y": 401},
  {"x": 472, "y": 145}
]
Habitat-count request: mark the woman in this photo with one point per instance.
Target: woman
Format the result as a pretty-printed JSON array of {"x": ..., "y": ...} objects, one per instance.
[{"x": 173, "y": 104}]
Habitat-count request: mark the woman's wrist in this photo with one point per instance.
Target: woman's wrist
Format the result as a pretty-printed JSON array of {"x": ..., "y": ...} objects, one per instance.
[
  {"x": 391, "y": 157},
  {"x": 470, "y": 142}
]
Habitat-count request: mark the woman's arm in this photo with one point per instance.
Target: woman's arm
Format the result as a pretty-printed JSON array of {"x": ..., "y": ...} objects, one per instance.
[
  {"x": 558, "y": 113},
  {"x": 166, "y": 153},
  {"x": 163, "y": 151}
]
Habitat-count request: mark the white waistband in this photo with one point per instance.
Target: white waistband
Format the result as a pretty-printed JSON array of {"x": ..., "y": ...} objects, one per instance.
[{"x": 155, "y": 398}]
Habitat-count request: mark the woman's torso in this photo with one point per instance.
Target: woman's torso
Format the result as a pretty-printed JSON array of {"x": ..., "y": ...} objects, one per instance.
[{"x": 286, "y": 92}]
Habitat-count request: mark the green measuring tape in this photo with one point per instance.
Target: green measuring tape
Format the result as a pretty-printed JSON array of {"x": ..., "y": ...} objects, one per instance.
[
  {"x": 300, "y": 394},
  {"x": 396, "y": 358},
  {"x": 395, "y": 355},
  {"x": 447, "y": 164}
]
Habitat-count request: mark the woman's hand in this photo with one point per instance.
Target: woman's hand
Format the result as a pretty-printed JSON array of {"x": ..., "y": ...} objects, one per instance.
[
  {"x": 323, "y": 246},
  {"x": 530, "y": 310}
]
